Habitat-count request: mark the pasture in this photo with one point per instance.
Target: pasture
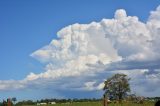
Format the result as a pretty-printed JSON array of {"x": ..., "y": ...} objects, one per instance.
[{"x": 99, "y": 104}]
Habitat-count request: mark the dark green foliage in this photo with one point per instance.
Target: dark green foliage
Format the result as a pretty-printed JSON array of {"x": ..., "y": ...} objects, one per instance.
[
  {"x": 58, "y": 101},
  {"x": 117, "y": 86},
  {"x": 28, "y": 102},
  {"x": 14, "y": 99}
]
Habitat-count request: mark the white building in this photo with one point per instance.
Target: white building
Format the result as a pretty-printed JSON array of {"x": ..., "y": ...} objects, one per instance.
[
  {"x": 52, "y": 103},
  {"x": 41, "y": 103}
]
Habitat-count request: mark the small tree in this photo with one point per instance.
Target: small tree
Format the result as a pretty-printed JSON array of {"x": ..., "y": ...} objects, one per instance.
[
  {"x": 117, "y": 86},
  {"x": 14, "y": 99}
]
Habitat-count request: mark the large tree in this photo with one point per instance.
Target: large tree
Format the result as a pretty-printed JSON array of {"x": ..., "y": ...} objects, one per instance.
[{"x": 117, "y": 86}]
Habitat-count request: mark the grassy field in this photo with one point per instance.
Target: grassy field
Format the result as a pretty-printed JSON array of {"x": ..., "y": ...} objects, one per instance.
[{"x": 100, "y": 104}]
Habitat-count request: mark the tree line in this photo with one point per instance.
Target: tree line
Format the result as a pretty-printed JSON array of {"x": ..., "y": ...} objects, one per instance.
[{"x": 31, "y": 102}]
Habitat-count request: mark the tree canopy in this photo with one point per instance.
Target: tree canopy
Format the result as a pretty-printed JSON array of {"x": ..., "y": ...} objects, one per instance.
[{"x": 117, "y": 86}]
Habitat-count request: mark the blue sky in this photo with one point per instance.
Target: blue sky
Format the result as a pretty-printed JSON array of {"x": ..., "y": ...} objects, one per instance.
[{"x": 28, "y": 25}]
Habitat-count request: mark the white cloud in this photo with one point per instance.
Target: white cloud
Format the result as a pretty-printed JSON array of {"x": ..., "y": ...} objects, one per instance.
[
  {"x": 83, "y": 52},
  {"x": 120, "y": 14}
]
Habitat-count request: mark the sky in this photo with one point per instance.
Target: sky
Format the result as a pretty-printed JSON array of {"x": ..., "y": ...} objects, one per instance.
[{"x": 66, "y": 49}]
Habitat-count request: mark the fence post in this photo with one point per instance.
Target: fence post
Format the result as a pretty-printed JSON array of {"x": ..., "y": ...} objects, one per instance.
[
  {"x": 105, "y": 100},
  {"x": 8, "y": 102}
]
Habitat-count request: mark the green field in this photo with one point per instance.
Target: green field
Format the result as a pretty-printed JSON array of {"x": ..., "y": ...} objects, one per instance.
[{"x": 99, "y": 104}]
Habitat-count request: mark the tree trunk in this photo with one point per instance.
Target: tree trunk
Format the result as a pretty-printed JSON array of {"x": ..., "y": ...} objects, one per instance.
[{"x": 105, "y": 100}]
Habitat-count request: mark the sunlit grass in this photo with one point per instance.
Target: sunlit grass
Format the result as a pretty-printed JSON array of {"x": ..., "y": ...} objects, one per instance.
[{"x": 100, "y": 104}]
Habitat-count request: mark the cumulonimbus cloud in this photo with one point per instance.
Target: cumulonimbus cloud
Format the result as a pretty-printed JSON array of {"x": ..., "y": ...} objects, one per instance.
[{"x": 85, "y": 51}]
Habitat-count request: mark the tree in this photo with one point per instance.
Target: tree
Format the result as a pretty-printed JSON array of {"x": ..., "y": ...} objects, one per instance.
[
  {"x": 14, "y": 99},
  {"x": 117, "y": 87},
  {"x": 26, "y": 103}
]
